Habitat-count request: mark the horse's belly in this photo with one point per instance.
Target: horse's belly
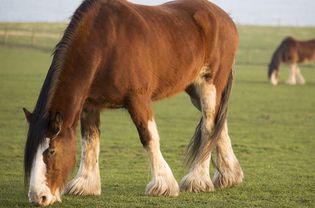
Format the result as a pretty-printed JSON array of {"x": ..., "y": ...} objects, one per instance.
[{"x": 174, "y": 86}]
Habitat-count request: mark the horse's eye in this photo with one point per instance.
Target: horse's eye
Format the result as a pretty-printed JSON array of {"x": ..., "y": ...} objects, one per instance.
[{"x": 51, "y": 152}]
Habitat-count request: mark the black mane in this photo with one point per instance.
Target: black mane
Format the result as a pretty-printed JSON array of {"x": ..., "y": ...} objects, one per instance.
[
  {"x": 40, "y": 121},
  {"x": 275, "y": 61}
]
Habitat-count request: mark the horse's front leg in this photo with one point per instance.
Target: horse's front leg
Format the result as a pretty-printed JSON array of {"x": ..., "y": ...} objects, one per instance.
[
  {"x": 292, "y": 75},
  {"x": 163, "y": 182},
  {"x": 299, "y": 77},
  {"x": 87, "y": 180}
]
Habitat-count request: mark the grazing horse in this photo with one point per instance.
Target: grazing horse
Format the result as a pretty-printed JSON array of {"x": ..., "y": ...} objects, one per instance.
[
  {"x": 116, "y": 54},
  {"x": 291, "y": 52}
]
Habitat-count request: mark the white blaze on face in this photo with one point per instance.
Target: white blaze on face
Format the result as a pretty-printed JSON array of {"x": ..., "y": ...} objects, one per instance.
[{"x": 39, "y": 192}]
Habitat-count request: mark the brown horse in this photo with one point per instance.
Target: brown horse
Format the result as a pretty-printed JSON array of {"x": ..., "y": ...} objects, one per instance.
[
  {"x": 291, "y": 52},
  {"x": 115, "y": 54}
]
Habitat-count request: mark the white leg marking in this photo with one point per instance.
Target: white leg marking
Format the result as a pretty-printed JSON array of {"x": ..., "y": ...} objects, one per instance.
[
  {"x": 292, "y": 77},
  {"x": 299, "y": 77},
  {"x": 231, "y": 173},
  {"x": 87, "y": 180},
  {"x": 198, "y": 179},
  {"x": 38, "y": 181},
  {"x": 163, "y": 182},
  {"x": 274, "y": 79}
]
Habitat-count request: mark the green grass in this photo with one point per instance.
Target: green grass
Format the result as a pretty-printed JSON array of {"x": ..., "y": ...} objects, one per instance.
[{"x": 272, "y": 130}]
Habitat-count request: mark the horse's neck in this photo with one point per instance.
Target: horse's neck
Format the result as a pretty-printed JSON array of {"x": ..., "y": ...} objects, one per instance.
[
  {"x": 67, "y": 104},
  {"x": 73, "y": 78},
  {"x": 68, "y": 95}
]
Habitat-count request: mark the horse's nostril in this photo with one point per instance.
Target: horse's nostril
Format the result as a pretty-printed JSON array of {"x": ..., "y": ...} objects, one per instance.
[{"x": 43, "y": 199}]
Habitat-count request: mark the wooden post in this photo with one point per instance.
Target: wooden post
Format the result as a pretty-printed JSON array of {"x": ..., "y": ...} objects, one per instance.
[
  {"x": 6, "y": 35},
  {"x": 33, "y": 37},
  {"x": 249, "y": 55}
]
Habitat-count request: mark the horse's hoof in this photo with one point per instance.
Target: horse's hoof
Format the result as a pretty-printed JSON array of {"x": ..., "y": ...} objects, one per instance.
[
  {"x": 162, "y": 186},
  {"x": 289, "y": 82},
  {"x": 83, "y": 186},
  {"x": 228, "y": 178},
  {"x": 196, "y": 183}
]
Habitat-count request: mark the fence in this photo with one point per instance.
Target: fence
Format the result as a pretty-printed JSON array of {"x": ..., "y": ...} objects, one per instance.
[
  {"x": 256, "y": 43},
  {"x": 40, "y": 36}
]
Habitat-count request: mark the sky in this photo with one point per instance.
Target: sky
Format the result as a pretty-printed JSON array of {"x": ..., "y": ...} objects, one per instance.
[{"x": 253, "y": 12}]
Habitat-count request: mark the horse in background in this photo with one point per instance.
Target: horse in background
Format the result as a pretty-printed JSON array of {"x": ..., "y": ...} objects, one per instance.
[
  {"x": 116, "y": 54},
  {"x": 292, "y": 52}
]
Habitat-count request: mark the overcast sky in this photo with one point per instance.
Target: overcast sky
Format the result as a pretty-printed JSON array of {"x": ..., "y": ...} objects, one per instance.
[{"x": 261, "y": 12}]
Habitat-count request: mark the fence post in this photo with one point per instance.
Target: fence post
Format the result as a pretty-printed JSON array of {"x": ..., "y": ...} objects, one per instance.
[
  {"x": 249, "y": 55},
  {"x": 33, "y": 37},
  {"x": 6, "y": 35}
]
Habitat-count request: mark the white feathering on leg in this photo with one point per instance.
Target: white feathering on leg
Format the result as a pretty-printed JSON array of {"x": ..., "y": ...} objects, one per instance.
[
  {"x": 230, "y": 172},
  {"x": 87, "y": 180},
  {"x": 163, "y": 182}
]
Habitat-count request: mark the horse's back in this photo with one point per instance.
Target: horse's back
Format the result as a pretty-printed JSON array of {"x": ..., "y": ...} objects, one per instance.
[
  {"x": 296, "y": 51},
  {"x": 158, "y": 50},
  {"x": 306, "y": 50}
]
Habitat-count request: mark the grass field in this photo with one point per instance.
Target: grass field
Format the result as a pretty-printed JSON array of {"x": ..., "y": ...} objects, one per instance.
[{"x": 272, "y": 130}]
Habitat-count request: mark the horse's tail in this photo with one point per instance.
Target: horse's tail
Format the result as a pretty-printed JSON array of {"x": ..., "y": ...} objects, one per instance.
[{"x": 196, "y": 145}]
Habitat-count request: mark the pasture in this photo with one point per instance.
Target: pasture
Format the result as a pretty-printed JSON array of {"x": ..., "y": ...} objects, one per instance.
[{"x": 272, "y": 129}]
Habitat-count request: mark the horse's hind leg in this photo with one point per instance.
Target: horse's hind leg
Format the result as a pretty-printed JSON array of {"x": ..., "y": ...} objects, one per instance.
[
  {"x": 163, "y": 182},
  {"x": 87, "y": 180},
  {"x": 228, "y": 172},
  {"x": 204, "y": 96},
  {"x": 198, "y": 179}
]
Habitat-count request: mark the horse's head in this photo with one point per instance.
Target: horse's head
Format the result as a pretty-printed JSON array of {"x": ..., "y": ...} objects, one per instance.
[{"x": 49, "y": 157}]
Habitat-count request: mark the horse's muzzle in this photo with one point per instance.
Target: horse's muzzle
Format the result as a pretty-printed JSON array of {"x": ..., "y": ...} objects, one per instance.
[{"x": 41, "y": 199}]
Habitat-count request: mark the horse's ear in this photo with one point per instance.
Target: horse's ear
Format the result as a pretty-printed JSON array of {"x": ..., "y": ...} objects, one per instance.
[
  {"x": 55, "y": 125},
  {"x": 58, "y": 122},
  {"x": 28, "y": 115}
]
